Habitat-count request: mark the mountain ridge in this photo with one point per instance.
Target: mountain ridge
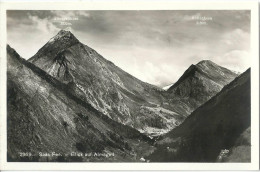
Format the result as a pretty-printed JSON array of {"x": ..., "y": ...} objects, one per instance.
[
  {"x": 63, "y": 35},
  {"x": 65, "y": 38},
  {"x": 68, "y": 118},
  {"x": 107, "y": 87},
  {"x": 212, "y": 127},
  {"x": 199, "y": 83},
  {"x": 198, "y": 68}
]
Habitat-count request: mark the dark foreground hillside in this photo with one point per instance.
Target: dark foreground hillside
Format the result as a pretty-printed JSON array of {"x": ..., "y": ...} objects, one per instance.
[
  {"x": 46, "y": 122},
  {"x": 218, "y": 127}
]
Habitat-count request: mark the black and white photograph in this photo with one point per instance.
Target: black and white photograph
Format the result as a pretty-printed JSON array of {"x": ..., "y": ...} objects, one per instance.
[{"x": 128, "y": 86}]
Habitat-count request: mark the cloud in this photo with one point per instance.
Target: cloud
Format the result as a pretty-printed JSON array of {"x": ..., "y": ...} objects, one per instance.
[
  {"x": 84, "y": 13},
  {"x": 236, "y": 39},
  {"x": 156, "y": 74},
  {"x": 237, "y": 60},
  {"x": 43, "y": 25},
  {"x": 154, "y": 46},
  {"x": 148, "y": 65},
  {"x": 70, "y": 14}
]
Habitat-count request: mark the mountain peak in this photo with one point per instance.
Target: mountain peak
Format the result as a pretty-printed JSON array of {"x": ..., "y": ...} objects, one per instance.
[
  {"x": 207, "y": 66},
  {"x": 64, "y": 31},
  {"x": 12, "y": 51},
  {"x": 205, "y": 62},
  {"x": 61, "y": 41},
  {"x": 64, "y": 34},
  {"x": 205, "y": 70},
  {"x": 189, "y": 72}
]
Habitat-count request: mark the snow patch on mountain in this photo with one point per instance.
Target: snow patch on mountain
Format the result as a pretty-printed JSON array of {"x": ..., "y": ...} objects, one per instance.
[
  {"x": 153, "y": 132},
  {"x": 167, "y": 87},
  {"x": 62, "y": 33}
]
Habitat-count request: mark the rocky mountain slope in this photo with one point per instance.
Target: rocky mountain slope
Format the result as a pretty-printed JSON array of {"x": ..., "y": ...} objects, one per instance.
[
  {"x": 105, "y": 86},
  {"x": 198, "y": 84},
  {"x": 218, "y": 128},
  {"x": 43, "y": 115},
  {"x": 112, "y": 91}
]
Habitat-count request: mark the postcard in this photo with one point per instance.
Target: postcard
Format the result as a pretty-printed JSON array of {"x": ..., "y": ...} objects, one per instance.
[{"x": 123, "y": 85}]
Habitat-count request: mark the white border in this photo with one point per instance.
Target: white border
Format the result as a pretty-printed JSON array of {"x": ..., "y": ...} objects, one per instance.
[{"x": 134, "y": 5}]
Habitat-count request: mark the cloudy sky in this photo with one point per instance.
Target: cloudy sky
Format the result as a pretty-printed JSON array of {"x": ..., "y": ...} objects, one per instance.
[{"x": 154, "y": 46}]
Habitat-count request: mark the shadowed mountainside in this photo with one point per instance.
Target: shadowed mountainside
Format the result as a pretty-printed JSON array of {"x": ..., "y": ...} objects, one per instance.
[{"x": 217, "y": 125}]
